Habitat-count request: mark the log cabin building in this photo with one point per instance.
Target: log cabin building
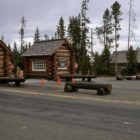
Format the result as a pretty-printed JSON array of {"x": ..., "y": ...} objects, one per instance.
[
  {"x": 5, "y": 57},
  {"x": 122, "y": 60},
  {"x": 49, "y": 59}
]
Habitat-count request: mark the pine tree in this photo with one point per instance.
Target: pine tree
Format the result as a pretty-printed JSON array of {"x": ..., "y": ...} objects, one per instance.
[
  {"x": 46, "y": 37},
  {"x": 29, "y": 45},
  {"x": 74, "y": 35},
  {"x": 53, "y": 38},
  {"x": 17, "y": 59},
  {"x": 61, "y": 29},
  {"x": 55, "y": 35},
  {"x": 98, "y": 64},
  {"x": 26, "y": 47},
  {"x": 22, "y": 32},
  {"x": 37, "y": 35},
  {"x": 15, "y": 47},
  {"x": 78, "y": 36},
  {"x": 16, "y": 55},
  {"x": 2, "y": 38},
  {"x": 106, "y": 61},
  {"x": 108, "y": 29},
  {"x": 104, "y": 33},
  {"x": 116, "y": 13},
  {"x": 132, "y": 61},
  {"x": 84, "y": 63},
  {"x": 9, "y": 46}
]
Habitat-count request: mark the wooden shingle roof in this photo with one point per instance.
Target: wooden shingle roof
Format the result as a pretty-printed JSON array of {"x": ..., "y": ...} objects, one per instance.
[{"x": 44, "y": 48}]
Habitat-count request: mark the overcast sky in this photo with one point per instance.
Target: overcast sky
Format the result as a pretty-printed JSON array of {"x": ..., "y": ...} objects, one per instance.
[{"x": 46, "y": 13}]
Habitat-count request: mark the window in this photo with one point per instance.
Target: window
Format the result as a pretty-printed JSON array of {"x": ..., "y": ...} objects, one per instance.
[
  {"x": 62, "y": 64},
  {"x": 38, "y": 66}
]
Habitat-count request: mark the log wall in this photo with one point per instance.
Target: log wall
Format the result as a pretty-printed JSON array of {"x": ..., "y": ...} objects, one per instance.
[
  {"x": 5, "y": 57},
  {"x": 66, "y": 54},
  {"x": 1, "y": 61},
  {"x": 28, "y": 67}
]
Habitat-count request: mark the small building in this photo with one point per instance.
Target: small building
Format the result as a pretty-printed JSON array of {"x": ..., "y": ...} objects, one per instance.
[
  {"x": 49, "y": 59},
  {"x": 122, "y": 61},
  {"x": 5, "y": 58}
]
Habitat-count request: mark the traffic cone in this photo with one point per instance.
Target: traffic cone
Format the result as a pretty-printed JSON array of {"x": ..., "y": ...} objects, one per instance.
[
  {"x": 59, "y": 81},
  {"x": 73, "y": 81},
  {"x": 42, "y": 82}
]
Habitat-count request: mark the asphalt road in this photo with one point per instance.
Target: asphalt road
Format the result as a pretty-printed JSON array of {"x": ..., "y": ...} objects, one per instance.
[{"x": 31, "y": 116}]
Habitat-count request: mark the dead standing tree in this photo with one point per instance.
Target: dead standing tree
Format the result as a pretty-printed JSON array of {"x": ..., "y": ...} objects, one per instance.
[{"x": 131, "y": 23}]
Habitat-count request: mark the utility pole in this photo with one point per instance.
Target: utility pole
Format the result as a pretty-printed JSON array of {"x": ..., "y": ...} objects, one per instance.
[
  {"x": 129, "y": 23},
  {"x": 92, "y": 51}
]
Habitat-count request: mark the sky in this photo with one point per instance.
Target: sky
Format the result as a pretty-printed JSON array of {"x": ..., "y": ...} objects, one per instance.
[{"x": 45, "y": 15}]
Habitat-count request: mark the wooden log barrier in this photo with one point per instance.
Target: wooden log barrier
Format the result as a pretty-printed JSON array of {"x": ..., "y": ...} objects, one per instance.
[
  {"x": 133, "y": 77},
  {"x": 102, "y": 89},
  {"x": 69, "y": 77},
  {"x": 138, "y": 77}
]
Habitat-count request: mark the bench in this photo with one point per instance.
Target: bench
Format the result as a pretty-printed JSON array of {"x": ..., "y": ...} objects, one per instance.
[
  {"x": 12, "y": 79},
  {"x": 102, "y": 89},
  {"x": 83, "y": 77}
]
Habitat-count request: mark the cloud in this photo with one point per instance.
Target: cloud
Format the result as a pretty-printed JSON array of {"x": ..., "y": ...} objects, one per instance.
[{"x": 46, "y": 13}]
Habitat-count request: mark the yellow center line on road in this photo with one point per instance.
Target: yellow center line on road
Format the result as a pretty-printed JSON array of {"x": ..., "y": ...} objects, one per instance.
[{"x": 114, "y": 101}]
